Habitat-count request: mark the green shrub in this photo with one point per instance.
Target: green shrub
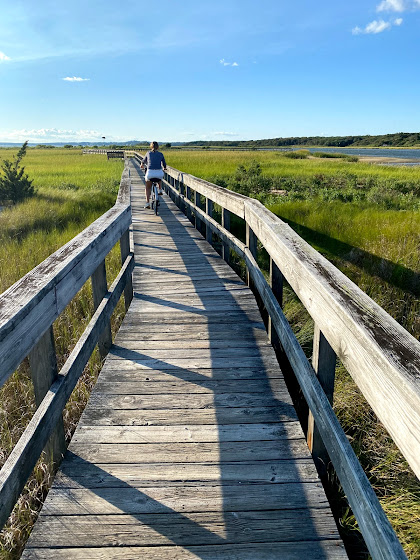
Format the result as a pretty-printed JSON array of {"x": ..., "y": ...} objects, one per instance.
[
  {"x": 251, "y": 181},
  {"x": 15, "y": 186},
  {"x": 299, "y": 154}
]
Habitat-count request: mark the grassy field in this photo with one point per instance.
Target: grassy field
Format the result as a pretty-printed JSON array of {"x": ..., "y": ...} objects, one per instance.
[
  {"x": 366, "y": 220},
  {"x": 72, "y": 191},
  {"x": 275, "y": 164}
]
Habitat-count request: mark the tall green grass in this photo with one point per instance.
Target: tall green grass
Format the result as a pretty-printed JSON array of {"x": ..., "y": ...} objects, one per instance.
[
  {"x": 274, "y": 164},
  {"x": 72, "y": 191}
]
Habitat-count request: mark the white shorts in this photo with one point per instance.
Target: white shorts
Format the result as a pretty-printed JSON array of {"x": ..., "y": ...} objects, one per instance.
[{"x": 154, "y": 174}]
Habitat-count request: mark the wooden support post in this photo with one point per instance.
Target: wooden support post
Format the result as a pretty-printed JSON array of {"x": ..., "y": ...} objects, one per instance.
[
  {"x": 276, "y": 284},
  {"x": 182, "y": 193},
  {"x": 323, "y": 361},
  {"x": 44, "y": 371},
  {"x": 99, "y": 289},
  {"x": 226, "y": 225},
  {"x": 125, "y": 251},
  {"x": 172, "y": 193},
  {"x": 188, "y": 209},
  {"x": 198, "y": 222},
  {"x": 251, "y": 243},
  {"x": 209, "y": 212}
]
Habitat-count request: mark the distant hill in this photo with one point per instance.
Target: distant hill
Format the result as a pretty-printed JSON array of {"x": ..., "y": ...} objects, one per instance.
[
  {"x": 399, "y": 139},
  {"x": 82, "y": 144}
]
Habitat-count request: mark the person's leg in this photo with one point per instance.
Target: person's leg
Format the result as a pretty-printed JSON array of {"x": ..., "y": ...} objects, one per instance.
[
  {"x": 148, "y": 191},
  {"x": 160, "y": 187}
]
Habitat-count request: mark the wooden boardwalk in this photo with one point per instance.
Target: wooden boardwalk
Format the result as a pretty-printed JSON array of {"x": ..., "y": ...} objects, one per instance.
[{"x": 189, "y": 446}]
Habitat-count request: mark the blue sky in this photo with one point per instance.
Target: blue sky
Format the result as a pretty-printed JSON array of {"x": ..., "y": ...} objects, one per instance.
[{"x": 179, "y": 70}]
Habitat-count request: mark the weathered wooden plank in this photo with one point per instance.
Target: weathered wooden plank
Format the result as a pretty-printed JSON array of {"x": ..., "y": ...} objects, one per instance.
[
  {"x": 248, "y": 351},
  {"x": 188, "y": 528},
  {"x": 108, "y": 501},
  {"x": 315, "y": 550},
  {"x": 179, "y": 386},
  {"x": 185, "y": 401},
  {"x": 140, "y": 361},
  {"x": 251, "y": 317},
  {"x": 99, "y": 475},
  {"x": 174, "y": 335},
  {"x": 104, "y": 417},
  {"x": 200, "y": 452},
  {"x": 113, "y": 373},
  {"x": 187, "y": 433}
]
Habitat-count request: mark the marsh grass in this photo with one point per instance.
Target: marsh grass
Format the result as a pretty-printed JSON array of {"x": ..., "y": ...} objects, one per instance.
[{"x": 72, "y": 191}]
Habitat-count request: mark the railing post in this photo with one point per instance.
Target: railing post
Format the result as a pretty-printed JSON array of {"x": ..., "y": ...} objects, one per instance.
[
  {"x": 251, "y": 243},
  {"x": 276, "y": 284},
  {"x": 188, "y": 209},
  {"x": 182, "y": 193},
  {"x": 323, "y": 361},
  {"x": 44, "y": 371},
  {"x": 226, "y": 225},
  {"x": 125, "y": 251},
  {"x": 198, "y": 222},
  {"x": 99, "y": 289},
  {"x": 209, "y": 212}
]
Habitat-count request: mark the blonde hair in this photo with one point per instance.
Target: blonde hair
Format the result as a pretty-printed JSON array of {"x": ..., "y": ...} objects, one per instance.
[{"x": 154, "y": 146}]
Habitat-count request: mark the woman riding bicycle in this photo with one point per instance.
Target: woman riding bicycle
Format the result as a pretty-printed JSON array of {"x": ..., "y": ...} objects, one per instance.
[{"x": 156, "y": 165}]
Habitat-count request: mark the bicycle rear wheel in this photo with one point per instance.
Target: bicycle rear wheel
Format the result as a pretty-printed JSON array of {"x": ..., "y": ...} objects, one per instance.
[{"x": 156, "y": 198}]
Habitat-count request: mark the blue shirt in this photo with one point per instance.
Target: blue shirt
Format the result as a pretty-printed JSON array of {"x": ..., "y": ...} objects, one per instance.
[{"x": 154, "y": 160}]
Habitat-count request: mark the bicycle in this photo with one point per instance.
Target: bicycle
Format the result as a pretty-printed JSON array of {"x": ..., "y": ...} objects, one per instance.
[{"x": 154, "y": 198}]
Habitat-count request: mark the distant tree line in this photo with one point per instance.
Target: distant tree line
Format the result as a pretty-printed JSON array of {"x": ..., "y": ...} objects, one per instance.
[{"x": 399, "y": 139}]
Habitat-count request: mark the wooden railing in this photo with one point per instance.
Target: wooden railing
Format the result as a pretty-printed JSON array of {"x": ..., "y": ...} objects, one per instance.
[
  {"x": 27, "y": 312},
  {"x": 382, "y": 358}
]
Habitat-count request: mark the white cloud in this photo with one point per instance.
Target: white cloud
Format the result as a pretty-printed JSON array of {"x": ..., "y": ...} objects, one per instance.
[
  {"x": 376, "y": 26},
  {"x": 54, "y": 135},
  {"x": 75, "y": 79},
  {"x": 224, "y": 63},
  {"x": 224, "y": 134},
  {"x": 391, "y": 6},
  {"x": 3, "y": 56}
]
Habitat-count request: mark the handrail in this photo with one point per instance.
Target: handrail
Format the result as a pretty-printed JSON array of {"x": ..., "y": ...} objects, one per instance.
[
  {"x": 383, "y": 358},
  {"x": 27, "y": 312}
]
